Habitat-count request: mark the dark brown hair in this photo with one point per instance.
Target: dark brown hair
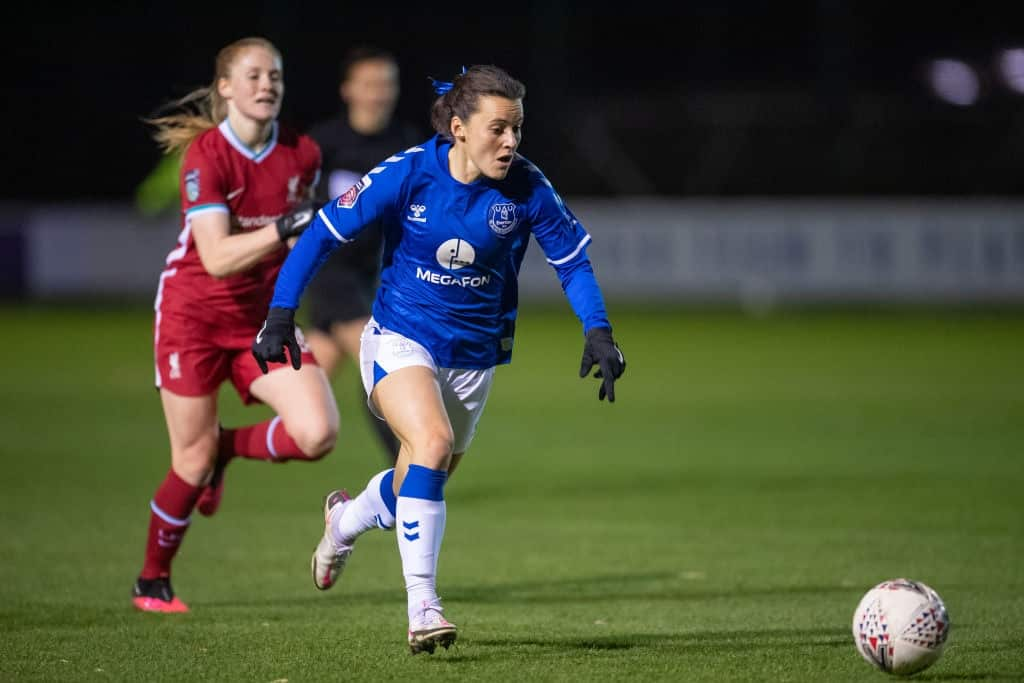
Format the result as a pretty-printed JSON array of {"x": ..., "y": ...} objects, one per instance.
[
  {"x": 463, "y": 99},
  {"x": 364, "y": 53}
]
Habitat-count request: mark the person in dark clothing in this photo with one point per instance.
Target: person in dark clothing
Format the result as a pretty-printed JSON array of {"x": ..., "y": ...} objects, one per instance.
[{"x": 339, "y": 297}]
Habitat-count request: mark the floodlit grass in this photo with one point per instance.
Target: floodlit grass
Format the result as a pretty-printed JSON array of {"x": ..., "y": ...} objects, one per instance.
[{"x": 720, "y": 521}]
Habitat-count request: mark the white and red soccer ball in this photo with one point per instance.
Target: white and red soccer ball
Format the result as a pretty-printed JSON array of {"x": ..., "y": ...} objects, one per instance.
[{"x": 901, "y": 626}]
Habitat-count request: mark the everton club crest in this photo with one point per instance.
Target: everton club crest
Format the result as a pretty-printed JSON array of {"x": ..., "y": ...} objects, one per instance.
[{"x": 503, "y": 217}]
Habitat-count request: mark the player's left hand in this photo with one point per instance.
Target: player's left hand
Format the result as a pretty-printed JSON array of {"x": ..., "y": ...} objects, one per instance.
[
  {"x": 277, "y": 334},
  {"x": 601, "y": 350},
  {"x": 295, "y": 221}
]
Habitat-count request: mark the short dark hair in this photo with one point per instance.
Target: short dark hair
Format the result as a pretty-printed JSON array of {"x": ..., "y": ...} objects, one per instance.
[
  {"x": 463, "y": 99},
  {"x": 363, "y": 53}
]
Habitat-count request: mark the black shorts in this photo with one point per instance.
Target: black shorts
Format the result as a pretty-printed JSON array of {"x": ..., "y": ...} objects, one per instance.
[{"x": 338, "y": 294}]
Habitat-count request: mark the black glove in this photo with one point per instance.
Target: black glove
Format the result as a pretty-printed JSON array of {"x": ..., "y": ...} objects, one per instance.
[
  {"x": 296, "y": 220},
  {"x": 601, "y": 349},
  {"x": 278, "y": 333}
]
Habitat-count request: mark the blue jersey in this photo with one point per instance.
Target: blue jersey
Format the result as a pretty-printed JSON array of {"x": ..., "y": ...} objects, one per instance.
[{"x": 452, "y": 252}]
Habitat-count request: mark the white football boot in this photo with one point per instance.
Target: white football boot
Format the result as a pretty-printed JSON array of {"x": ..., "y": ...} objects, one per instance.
[
  {"x": 329, "y": 558},
  {"x": 428, "y": 628}
]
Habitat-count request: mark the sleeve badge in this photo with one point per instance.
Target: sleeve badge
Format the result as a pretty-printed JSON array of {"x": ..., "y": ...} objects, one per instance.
[{"x": 192, "y": 184}]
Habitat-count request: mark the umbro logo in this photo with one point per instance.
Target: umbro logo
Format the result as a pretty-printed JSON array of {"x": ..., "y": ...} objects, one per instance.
[{"x": 417, "y": 211}]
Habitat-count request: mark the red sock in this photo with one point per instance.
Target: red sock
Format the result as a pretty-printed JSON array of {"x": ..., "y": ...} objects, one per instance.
[
  {"x": 168, "y": 522},
  {"x": 264, "y": 441}
]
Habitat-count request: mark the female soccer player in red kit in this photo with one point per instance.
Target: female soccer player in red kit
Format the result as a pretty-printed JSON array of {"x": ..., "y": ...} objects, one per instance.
[{"x": 245, "y": 185}]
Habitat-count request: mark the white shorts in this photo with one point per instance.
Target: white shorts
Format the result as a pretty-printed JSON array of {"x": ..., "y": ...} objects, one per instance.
[{"x": 382, "y": 351}]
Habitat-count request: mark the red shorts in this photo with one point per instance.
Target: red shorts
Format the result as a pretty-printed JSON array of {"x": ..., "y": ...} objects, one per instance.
[{"x": 193, "y": 357}]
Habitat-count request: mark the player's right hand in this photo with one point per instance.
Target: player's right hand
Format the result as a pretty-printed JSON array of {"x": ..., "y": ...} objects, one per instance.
[
  {"x": 277, "y": 334},
  {"x": 295, "y": 221}
]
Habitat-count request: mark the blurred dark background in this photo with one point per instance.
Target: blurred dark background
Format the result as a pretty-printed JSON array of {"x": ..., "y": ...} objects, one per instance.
[{"x": 825, "y": 98}]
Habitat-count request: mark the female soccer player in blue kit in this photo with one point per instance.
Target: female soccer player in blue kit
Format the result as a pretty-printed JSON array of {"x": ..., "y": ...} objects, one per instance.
[{"x": 457, "y": 213}]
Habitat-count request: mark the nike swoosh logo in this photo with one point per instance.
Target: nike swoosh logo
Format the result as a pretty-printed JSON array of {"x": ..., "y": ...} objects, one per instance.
[
  {"x": 259, "y": 335},
  {"x": 304, "y": 217},
  {"x": 235, "y": 193}
]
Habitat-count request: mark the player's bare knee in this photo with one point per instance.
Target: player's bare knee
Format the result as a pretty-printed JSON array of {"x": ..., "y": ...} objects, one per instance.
[
  {"x": 194, "y": 462},
  {"x": 434, "y": 449},
  {"x": 316, "y": 440}
]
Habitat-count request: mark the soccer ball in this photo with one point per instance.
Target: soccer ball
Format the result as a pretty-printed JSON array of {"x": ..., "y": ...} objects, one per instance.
[{"x": 900, "y": 626}]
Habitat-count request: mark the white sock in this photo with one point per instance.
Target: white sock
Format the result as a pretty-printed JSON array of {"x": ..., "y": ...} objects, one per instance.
[
  {"x": 420, "y": 517},
  {"x": 420, "y": 530},
  {"x": 368, "y": 510}
]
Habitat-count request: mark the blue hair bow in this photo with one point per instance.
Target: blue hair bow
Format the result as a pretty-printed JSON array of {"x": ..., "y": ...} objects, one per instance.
[{"x": 441, "y": 87}]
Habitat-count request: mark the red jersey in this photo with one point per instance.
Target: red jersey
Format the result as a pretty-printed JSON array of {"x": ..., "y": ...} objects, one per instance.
[{"x": 219, "y": 173}]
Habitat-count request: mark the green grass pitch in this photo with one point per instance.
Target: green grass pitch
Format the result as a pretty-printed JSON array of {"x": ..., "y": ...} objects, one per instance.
[{"x": 720, "y": 521}]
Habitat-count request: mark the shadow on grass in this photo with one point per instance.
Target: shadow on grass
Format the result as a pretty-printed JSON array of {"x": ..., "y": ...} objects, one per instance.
[
  {"x": 614, "y": 587},
  {"x": 661, "y": 586},
  {"x": 703, "y": 641},
  {"x": 698, "y": 642}
]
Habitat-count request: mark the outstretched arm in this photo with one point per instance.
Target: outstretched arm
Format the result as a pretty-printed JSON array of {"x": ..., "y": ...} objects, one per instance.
[
  {"x": 565, "y": 242},
  {"x": 584, "y": 294}
]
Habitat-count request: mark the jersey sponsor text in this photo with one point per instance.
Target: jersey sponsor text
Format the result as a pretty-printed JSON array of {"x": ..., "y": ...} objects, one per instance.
[{"x": 445, "y": 279}]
